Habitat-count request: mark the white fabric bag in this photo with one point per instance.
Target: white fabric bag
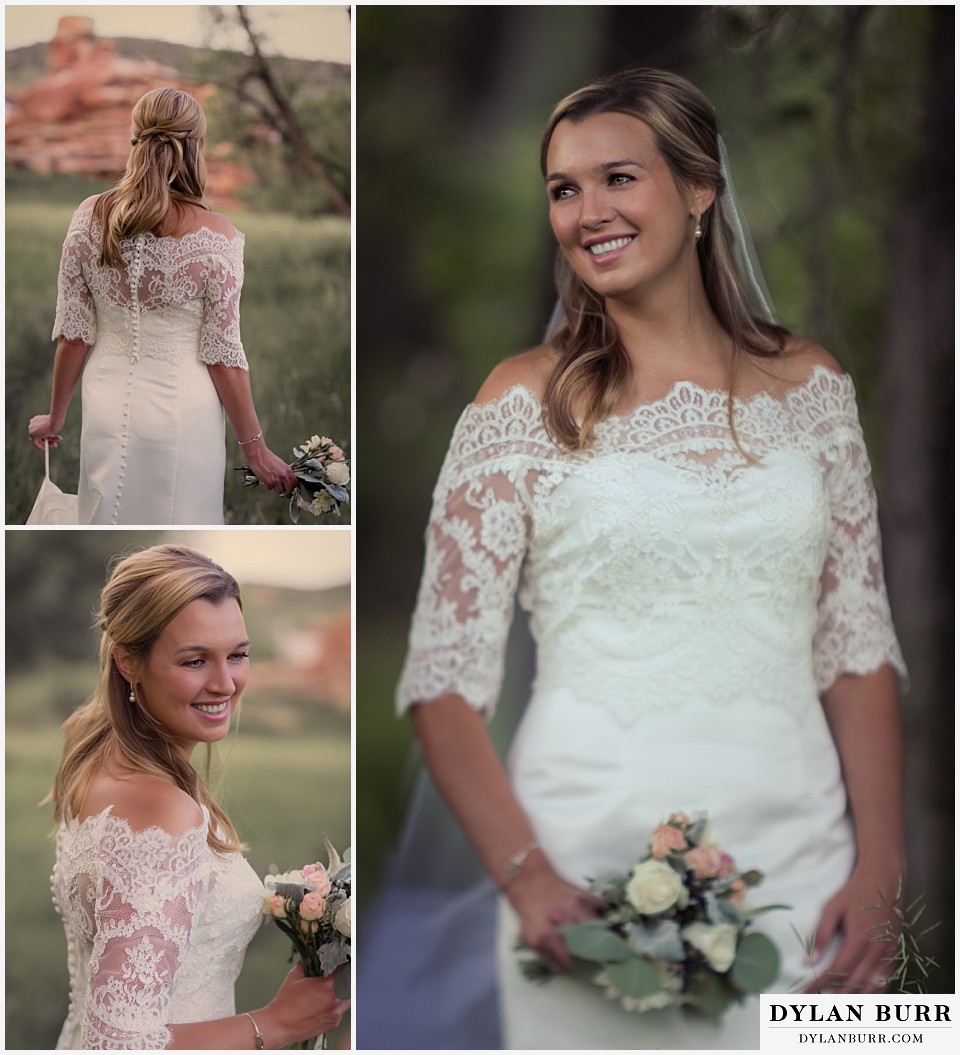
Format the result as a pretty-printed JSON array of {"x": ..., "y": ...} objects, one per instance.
[{"x": 52, "y": 505}]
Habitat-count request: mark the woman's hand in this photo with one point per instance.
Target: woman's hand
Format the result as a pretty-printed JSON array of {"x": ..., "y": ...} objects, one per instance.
[
  {"x": 861, "y": 914},
  {"x": 303, "y": 1008},
  {"x": 544, "y": 902},
  {"x": 271, "y": 471},
  {"x": 44, "y": 431}
]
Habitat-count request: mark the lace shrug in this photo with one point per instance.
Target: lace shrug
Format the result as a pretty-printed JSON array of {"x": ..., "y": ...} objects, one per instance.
[
  {"x": 156, "y": 925},
  {"x": 200, "y": 272},
  {"x": 657, "y": 537}
]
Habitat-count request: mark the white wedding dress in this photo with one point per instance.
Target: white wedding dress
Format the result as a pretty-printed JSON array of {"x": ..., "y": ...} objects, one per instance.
[
  {"x": 157, "y": 926},
  {"x": 689, "y": 607},
  {"x": 152, "y": 439}
]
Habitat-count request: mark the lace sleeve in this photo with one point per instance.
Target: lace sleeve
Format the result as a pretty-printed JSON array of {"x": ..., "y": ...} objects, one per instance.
[
  {"x": 76, "y": 318},
  {"x": 220, "y": 334},
  {"x": 855, "y": 633},
  {"x": 146, "y": 901},
  {"x": 475, "y": 545}
]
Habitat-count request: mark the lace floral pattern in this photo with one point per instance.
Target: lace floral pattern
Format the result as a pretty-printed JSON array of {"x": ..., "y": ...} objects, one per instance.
[
  {"x": 164, "y": 283},
  {"x": 660, "y": 565},
  {"x": 156, "y": 928}
]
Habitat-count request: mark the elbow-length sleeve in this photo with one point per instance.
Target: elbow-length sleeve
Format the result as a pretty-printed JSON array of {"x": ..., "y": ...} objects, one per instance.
[
  {"x": 855, "y": 632},
  {"x": 220, "y": 342},
  {"x": 475, "y": 545},
  {"x": 147, "y": 899},
  {"x": 76, "y": 317}
]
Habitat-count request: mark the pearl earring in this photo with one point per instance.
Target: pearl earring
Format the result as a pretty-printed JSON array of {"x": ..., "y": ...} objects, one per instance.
[
  {"x": 699, "y": 231},
  {"x": 133, "y": 696}
]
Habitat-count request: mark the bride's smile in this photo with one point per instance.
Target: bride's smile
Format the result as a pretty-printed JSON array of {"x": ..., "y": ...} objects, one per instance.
[{"x": 197, "y": 670}]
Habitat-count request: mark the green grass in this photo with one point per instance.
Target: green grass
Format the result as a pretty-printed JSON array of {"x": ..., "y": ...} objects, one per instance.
[
  {"x": 295, "y": 326},
  {"x": 282, "y": 794}
]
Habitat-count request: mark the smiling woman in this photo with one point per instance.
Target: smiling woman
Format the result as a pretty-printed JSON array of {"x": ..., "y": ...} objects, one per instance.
[
  {"x": 157, "y": 900},
  {"x": 678, "y": 492}
]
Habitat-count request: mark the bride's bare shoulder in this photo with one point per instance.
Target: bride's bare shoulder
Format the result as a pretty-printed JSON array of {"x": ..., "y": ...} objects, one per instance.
[
  {"x": 531, "y": 369},
  {"x": 143, "y": 800},
  {"x": 802, "y": 356}
]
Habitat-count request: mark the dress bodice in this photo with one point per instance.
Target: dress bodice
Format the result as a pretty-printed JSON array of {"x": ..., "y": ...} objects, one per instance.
[
  {"x": 172, "y": 295},
  {"x": 669, "y": 555},
  {"x": 157, "y": 926}
]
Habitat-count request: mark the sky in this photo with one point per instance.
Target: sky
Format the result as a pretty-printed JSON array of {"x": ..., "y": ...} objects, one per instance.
[
  {"x": 305, "y": 31},
  {"x": 301, "y": 557}
]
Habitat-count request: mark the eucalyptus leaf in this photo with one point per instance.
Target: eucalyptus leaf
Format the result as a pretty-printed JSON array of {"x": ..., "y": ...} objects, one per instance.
[
  {"x": 710, "y": 993},
  {"x": 594, "y": 941},
  {"x": 341, "y": 494},
  {"x": 752, "y": 877},
  {"x": 294, "y": 509},
  {"x": 635, "y": 977},
  {"x": 757, "y": 964}
]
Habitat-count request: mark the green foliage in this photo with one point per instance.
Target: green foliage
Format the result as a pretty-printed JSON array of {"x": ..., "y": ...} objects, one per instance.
[
  {"x": 757, "y": 964},
  {"x": 296, "y": 331},
  {"x": 594, "y": 941},
  {"x": 635, "y": 977}
]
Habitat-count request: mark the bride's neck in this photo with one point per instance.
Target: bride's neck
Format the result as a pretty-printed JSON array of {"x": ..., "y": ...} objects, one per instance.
[{"x": 674, "y": 342}]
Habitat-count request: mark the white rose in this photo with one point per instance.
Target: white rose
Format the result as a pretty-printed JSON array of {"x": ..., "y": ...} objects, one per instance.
[
  {"x": 654, "y": 886},
  {"x": 717, "y": 942},
  {"x": 338, "y": 473},
  {"x": 343, "y": 920}
]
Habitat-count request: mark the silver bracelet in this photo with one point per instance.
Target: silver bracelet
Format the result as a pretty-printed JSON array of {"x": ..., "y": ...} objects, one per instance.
[
  {"x": 243, "y": 443},
  {"x": 258, "y": 1041},
  {"x": 516, "y": 861}
]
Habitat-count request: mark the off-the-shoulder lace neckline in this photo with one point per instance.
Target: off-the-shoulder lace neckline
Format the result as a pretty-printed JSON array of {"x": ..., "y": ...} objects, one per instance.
[
  {"x": 236, "y": 238},
  {"x": 107, "y": 813},
  {"x": 714, "y": 396}
]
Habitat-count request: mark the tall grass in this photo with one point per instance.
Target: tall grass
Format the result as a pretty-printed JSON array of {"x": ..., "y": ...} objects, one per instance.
[{"x": 295, "y": 319}]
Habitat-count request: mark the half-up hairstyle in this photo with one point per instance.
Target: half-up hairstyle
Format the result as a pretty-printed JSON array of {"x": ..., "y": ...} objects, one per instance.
[
  {"x": 143, "y": 594},
  {"x": 594, "y": 368},
  {"x": 166, "y": 166}
]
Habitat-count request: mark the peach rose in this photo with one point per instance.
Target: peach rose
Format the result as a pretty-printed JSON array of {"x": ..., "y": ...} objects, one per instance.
[
  {"x": 665, "y": 839},
  {"x": 703, "y": 861},
  {"x": 312, "y": 906},
  {"x": 277, "y": 907},
  {"x": 316, "y": 876}
]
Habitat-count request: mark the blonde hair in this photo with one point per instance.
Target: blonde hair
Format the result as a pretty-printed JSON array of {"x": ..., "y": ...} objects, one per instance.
[
  {"x": 142, "y": 595},
  {"x": 594, "y": 368},
  {"x": 166, "y": 167}
]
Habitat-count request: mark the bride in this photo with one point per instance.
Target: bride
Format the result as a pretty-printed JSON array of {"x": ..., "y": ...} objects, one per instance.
[
  {"x": 157, "y": 900},
  {"x": 148, "y": 311},
  {"x": 681, "y": 490}
]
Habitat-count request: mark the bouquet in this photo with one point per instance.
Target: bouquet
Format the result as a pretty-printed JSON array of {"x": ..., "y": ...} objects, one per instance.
[
  {"x": 314, "y": 908},
  {"x": 323, "y": 476},
  {"x": 675, "y": 932}
]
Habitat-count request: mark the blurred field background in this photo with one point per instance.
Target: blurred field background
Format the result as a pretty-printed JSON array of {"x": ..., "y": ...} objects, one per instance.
[
  {"x": 284, "y": 777},
  {"x": 295, "y": 313},
  {"x": 840, "y": 133}
]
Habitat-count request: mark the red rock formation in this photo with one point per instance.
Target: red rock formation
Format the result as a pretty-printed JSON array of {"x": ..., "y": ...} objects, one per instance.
[{"x": 77, "y": 119}]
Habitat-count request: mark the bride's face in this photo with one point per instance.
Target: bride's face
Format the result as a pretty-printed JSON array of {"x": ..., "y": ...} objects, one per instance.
[
  {"x": 196, "y": 672},
  {"x": 621, "y": 220}
]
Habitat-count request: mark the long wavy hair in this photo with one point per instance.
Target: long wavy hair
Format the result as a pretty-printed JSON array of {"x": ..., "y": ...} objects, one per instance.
[
  {"x": 593, "y": 366},
  {"x": 143, "y": 594},
  {"x": 166, "y": 167}
]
